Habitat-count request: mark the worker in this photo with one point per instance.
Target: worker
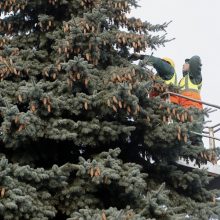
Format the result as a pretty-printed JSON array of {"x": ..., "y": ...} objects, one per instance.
[
  {"x": 191, "y": 82},
  {"x": 190, "y": 86},
  {"x": 165, "y": 68}
]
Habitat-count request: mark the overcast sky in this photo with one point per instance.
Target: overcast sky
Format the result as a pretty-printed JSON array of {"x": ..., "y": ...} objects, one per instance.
[{"x": 196, "y": 29}]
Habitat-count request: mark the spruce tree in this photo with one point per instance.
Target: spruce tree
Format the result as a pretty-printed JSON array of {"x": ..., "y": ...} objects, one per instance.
[{"x": 80, "y": 137}]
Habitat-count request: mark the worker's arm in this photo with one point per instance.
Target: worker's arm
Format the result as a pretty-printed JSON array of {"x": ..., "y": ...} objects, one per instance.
[
  {"x": 164, "y": 69},
  {"x": 195, "y": 69}
]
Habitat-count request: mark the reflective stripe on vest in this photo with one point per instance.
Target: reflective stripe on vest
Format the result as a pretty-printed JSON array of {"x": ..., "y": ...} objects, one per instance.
[
  {"x": 187, "y": 85},
  {"x": 173, "y": 80}
]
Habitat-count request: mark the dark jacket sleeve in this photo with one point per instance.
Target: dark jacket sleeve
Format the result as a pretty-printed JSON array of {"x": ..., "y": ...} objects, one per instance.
[
  {"x": 164, "y": 69},
  {"x": 195, "y": 69}
]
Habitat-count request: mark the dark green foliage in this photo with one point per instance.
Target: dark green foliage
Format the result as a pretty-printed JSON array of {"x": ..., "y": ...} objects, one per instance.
[{"x": 77, "y": 123}]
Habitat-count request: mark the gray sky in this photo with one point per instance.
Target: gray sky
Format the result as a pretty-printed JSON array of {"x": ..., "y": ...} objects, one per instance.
[{"x": 196, "y": 29}]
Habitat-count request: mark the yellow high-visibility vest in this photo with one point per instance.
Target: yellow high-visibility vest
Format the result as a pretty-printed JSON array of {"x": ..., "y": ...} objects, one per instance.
[
  {"x": 173, "y": 80},
  {"x": 187, "y": 85}
]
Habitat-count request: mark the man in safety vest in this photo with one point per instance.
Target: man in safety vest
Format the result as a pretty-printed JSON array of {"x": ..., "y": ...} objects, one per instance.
[
  {"x": 165, "y": 68},
  {"x": 190, "y": 86},
  {"x": 191, "y": 82}
]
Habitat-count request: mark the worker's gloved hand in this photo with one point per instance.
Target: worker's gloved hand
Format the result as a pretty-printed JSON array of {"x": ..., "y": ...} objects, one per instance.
[
  {"x": 147, "y": 60},
  {"x": 136, "y": 56}
]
